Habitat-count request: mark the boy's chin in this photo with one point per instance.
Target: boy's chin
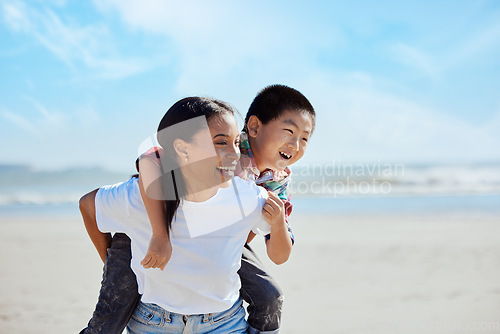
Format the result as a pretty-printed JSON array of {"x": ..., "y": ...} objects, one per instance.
[{"x": 281, "y": 165}]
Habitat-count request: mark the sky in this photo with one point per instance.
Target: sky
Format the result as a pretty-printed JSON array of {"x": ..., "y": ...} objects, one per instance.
[{"x": 84, "y": 83}]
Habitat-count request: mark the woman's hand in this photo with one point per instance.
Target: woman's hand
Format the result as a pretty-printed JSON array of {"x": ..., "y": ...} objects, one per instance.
[{"x": 158, "y": 254}]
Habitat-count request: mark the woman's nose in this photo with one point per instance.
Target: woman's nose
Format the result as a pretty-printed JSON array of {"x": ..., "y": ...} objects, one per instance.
[{"x": 234, "y": 152}]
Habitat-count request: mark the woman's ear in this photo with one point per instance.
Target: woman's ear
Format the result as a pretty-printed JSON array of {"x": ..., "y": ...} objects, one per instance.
[
  {"x": 181, "y": 148},
  {"x": 253, "y": 126}
]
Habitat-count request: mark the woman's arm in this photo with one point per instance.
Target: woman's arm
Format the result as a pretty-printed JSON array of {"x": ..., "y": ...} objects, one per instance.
[
  {"x": 279, "y": 246},
  {"x": 101, "y": 241}
]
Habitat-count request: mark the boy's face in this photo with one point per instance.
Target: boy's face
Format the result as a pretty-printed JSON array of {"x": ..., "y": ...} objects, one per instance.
[{"x": 280, "y": 142}]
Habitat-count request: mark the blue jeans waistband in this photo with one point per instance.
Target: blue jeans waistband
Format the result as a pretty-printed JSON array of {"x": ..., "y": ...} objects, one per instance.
[{"x": 153, "y": 308}]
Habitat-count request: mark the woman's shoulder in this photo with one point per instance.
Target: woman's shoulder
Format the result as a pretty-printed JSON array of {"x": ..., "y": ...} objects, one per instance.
[
  {"x": 128, "y": 189},
  {"x": 248, "y": 187}
]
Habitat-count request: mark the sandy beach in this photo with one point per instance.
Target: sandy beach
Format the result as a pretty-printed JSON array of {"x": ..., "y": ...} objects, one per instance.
[{"x": 347, "y": 274}]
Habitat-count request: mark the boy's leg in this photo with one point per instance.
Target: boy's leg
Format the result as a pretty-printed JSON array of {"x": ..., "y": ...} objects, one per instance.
[
  {"x": 261, "y": 292},
  {"x": 118, "y": 296}
]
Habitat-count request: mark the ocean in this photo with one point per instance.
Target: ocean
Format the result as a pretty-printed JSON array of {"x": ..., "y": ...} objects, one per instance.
[{"x": 378, "y": 188}]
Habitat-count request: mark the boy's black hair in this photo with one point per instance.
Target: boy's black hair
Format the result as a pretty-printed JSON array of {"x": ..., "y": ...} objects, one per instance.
[{"x": 272, "y": 101}]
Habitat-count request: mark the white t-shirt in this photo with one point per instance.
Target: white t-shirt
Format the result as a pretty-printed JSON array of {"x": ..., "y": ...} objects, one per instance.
[{"x": 207, "y": 241}]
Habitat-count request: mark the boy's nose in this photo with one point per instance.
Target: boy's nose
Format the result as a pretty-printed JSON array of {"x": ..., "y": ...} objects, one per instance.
[{"x": 293, "y": 143}]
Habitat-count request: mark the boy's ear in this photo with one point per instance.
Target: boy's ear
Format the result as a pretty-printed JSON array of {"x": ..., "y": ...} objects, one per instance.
[
  {"x": 253, "y": 126},
  {"x": 180, "y": 147}
]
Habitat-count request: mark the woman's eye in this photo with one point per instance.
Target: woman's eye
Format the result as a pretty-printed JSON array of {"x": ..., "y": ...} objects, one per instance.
[{"x": 221, "y": 143}]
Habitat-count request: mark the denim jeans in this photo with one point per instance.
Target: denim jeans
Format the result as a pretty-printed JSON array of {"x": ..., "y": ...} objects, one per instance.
[
  {"x": 262, "y": 293},
  {"x": 118, "y": 296},
  {"x": 152, "y": 319}
]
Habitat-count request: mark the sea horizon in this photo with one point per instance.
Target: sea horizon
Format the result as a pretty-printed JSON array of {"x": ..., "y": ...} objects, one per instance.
[{"x": 378, "y": 188}]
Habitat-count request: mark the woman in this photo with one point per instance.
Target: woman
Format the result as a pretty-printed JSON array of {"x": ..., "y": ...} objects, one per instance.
[{"x": 209, "y": 216}]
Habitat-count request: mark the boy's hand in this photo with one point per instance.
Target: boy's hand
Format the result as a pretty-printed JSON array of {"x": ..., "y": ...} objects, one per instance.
[
  {"x": 279, "y": 245},
  {"x": 274, "y": 210},
  {"x": 159, "y": 253}
]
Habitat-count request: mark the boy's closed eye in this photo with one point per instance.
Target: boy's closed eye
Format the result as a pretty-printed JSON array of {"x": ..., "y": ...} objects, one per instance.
[{"x": 291, "y": 132}]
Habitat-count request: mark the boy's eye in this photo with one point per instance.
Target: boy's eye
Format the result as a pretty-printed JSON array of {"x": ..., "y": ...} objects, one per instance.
[
  {"x": 289, "y": 130},
  {"x": 305, "y": 139}
]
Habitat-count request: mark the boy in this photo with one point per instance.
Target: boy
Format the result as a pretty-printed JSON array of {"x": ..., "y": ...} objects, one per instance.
[{"x": 278, "y": 125}]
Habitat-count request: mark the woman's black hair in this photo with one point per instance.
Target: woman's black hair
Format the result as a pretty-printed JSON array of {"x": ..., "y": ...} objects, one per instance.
[{"x": 173, "y": 184}]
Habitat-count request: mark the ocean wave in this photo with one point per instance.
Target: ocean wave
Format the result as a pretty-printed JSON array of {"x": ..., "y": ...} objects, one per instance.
[
  {"x": 39, "y": 199},
  {"x": 22, "y": 186},
  {"x": 397, "y": 180}
]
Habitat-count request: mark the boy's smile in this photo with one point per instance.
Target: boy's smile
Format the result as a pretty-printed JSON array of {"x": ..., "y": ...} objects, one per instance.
[{"x": 280, "y": 142}]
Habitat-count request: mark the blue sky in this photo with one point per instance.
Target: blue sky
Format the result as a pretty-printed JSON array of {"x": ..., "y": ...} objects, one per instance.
[{"x": 84, "y": 83}]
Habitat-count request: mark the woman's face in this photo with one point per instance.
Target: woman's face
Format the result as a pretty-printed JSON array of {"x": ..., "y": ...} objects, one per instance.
[{"x": 213, "y": 153}]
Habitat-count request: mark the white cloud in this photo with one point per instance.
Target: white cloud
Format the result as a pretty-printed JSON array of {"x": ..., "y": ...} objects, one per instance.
[
  {"x": 485, "y": 40},
  {"x": 87, "y": 116},
  {"x": 14, "y": 14},
  {"x": 224, "y": 43},
  {"x": 42, "y": 124},
  {"x": 48, "y": 123},
  {"x": 452, "y": 53},
  {"x": 414, "y": 57},
  {"x": 242, "y": 48},
  {"x": 230, "y": 50},
  {"x": 492, "y": 126},
  {"x": 89, "y": 45},
  {"x": 52, "y": 119},
  {"x": 360, "y": 122},
  {"x": 20, "y": 121}
]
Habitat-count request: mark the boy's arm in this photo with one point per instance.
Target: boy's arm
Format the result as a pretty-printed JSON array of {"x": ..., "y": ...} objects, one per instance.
[
  {"x": 160, "y": 248},
  {"x": 288, "y": 210},
  {"x": 101, "y": 241},
  {"x": 279, "y": 245}
]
